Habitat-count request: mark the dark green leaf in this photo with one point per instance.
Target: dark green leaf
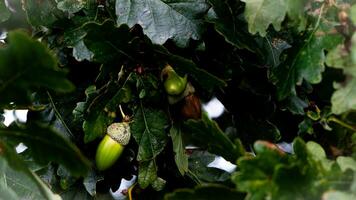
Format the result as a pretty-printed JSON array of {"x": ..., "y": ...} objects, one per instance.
[
  {"x": 179, "y": 149},
  {"x": 184, "y": 66},
  {"x": 148, "y": 129},
  {"x": 47, "y": 145},
  {"x": 96, "y": 124},
  {"x": 42, "y": 13},
  {"x": 147, "y": 173},
  {"x": 163, "y": 20},
  {"x": 307, "y": 64},
  {"x": 296, "y": 105},
  {"x": 16, "y": 181},
  {"x": 123, "y": 95},
  {"x": 198, "y": 165},
  {"x": 90, "y": 181},
  {"x": 76, "y": 192},
  {"x": 107, "y": 42},
  {"x": 28, "y": 70},
  {"x": 228, "y": 24},
  {"x": 159, "y": 184},
  {"x": 207, "y": 133}
]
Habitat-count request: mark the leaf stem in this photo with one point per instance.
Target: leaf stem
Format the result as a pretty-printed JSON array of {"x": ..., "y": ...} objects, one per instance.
[{"x": 341, "y": 123}]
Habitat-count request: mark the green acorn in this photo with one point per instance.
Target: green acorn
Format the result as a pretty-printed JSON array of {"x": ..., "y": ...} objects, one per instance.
[
  {"x": 173, "y": 83},
  {"x": 111, "y": 147}
]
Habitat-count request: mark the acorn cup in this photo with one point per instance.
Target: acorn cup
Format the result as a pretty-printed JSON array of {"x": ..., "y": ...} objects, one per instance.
[
  {"x": 112, "y": 145},
  {"x": 181, "y": 94}
]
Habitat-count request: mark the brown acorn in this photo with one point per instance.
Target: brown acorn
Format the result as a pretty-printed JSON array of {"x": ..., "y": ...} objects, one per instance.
[{"x": 191, "y": 107}]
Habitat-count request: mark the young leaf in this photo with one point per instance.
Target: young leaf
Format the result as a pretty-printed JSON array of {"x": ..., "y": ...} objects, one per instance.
[
  {"x": 47, "y": 145},
  {"x": 164, "y": 19},
  {"x": 148, "y": 130},
  {"x": 21, "y": 73}
]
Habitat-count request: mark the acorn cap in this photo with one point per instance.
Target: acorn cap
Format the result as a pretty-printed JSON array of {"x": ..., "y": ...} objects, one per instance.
[{"x": 120, "y": 132}]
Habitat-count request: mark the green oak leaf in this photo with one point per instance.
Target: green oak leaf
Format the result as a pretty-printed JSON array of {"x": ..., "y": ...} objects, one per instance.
[
  {"x": 214, "y": 138},
  {"x": 344, "y": 98},
  {"x": 148, "y": 129},
  {"x": 296, "y": 13},
  {"x": 42, "y": 13},
  {"x": 47, "y": 145},
  {"x": 307, "y": 63},
  {"x": 29, "y": 71},
  {"x": 24, "y": 185},
  {"x": 261, "y": 13},
  {"x": 199, "y": 168},
  {"x": 180, "y": 157},
  {"x": 99, "y": 109},
  {"x": 227, "y": 23},
  {"x": 71, "y": 6},
  {"x": 107, "y": 42},
  {"x": 164, "y": 19},
  {"x": 147, "y": 173}
]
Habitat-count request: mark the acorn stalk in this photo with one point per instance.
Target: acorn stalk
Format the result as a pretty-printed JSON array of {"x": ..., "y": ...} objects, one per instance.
[{"x": 112, "y": 145}]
